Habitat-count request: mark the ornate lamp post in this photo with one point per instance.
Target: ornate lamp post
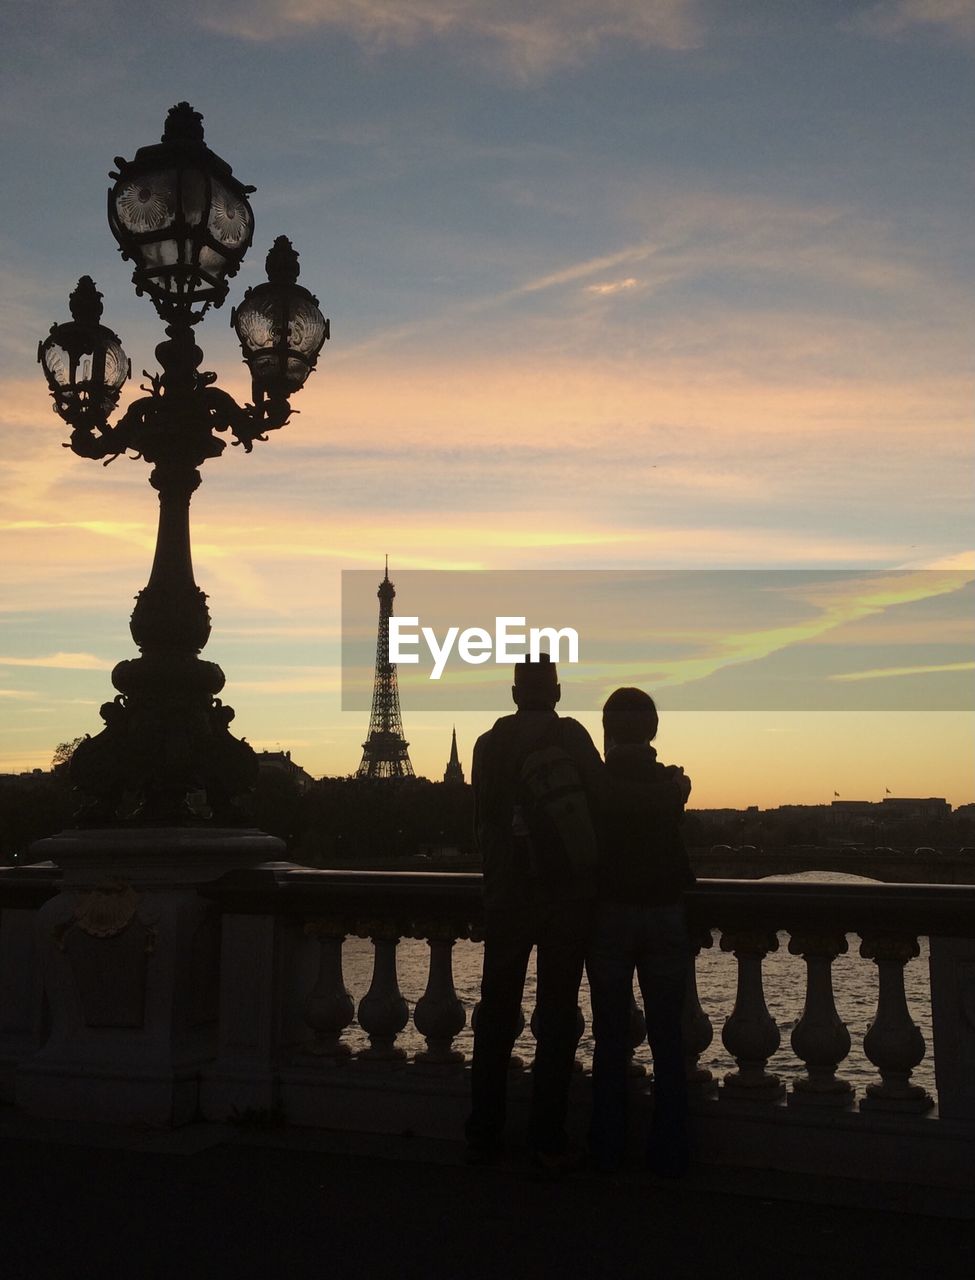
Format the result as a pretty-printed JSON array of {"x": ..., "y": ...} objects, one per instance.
[{"x": 184, "y": 221}]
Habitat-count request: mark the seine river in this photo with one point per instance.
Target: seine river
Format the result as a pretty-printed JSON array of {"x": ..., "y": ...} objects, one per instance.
[{"x": 854, "y": 983}]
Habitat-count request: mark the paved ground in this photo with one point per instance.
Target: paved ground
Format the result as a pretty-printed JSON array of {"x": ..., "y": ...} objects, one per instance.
[{"x": 215, "y": 1201}]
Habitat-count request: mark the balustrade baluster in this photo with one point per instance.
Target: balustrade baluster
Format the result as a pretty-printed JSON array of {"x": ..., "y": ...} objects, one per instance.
[
  {"x": 439, "y": 1015},
  {"x": 383, "y": 1013},
  {"x": 696, "y": 1030},
  {"x": 750, "y": 1034},
  {"x": 820, "y": 1038},
  {"x": 893, "y": 1042},
  {"x": 329, "y": 1008}
]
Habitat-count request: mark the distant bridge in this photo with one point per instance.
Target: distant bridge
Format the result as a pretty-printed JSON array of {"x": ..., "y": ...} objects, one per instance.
[{"x": 892, "y": 866}]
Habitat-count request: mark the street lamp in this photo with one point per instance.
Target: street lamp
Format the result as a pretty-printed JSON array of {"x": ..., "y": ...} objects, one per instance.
[{"x": 185, "y": 222}]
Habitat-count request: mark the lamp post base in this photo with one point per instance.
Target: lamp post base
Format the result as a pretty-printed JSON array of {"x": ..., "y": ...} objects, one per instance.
[{"x": 130, "y": 954}]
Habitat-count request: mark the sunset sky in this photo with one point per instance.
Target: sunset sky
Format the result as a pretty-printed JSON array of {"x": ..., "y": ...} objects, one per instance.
[{"x": 614, "y": 284}]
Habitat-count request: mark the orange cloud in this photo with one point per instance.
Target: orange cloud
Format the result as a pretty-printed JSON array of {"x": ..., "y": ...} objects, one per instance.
[
  {"x": 60, "y": 662},
  {"x": 609, "y": 287}
]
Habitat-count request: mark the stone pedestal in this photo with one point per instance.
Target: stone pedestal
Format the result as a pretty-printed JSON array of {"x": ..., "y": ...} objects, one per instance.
[
  {"x": 23, "y": 890},
  {"x": 130, "y": 959},
  {"x": 953, "y": 1018}
]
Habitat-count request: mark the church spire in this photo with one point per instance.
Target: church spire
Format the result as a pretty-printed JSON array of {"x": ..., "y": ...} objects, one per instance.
[{"x": 454, "y": 773}]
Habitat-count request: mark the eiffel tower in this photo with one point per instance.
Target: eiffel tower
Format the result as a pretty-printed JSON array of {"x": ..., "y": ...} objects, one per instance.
[{"x": 384, "y": 753}]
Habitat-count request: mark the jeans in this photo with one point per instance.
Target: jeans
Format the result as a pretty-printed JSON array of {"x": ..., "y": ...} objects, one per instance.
[
  {"x": 652, "y": 940},
  {"x": 560, "y": 933}
]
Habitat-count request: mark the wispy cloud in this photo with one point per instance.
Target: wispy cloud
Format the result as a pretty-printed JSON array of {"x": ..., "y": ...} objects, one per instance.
[
  {"x": 60, "y": 662},
  {"x": 454, "y": 313},
  {"x": 608, "y": 287},
  {"x": 955, "y": 18},
  {"x": 527, "y": 40},
  {"x": 579, "y": 271},
  {"x": 311, "y": 680},
  {"x": 284, "y": 631},
  {"x": 832, "y": 604},
  {"x": 691, "y": 258},
  {"x": 961, "y": 560},
  {"x": 883, "y": 673}
]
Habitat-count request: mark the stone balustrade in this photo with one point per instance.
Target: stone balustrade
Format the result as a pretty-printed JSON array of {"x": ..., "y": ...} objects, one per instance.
[
  {"x": 283, "y": 1039},
  {"x": 746, "y": 917}
]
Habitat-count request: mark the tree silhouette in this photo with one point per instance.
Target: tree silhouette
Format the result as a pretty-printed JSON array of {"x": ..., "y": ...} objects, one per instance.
[{"x": 63, "y": 753}]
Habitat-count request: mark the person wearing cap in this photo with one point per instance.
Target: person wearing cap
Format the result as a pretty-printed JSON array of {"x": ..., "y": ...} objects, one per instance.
[{"x": 517, "y": 916}]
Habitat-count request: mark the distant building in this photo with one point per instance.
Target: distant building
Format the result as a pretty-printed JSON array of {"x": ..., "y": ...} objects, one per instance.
[
  {"x": 453, "y": 773},
  {"x": 842, "y": 810},
  {"x": 913, "y": 807},
  {"x": 801, "y": 810},
  {"x": 718, "y": 815},
  {"x": 281, "y": 762}
]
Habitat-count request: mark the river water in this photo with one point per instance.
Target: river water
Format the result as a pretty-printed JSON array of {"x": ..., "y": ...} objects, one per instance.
[{"x": 854, "y": 984}]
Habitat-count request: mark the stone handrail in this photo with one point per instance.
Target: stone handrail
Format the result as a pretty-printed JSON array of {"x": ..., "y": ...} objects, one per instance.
[
  {"x": 893, "y": 866},
  {"x": 23, "y": 888},
  {"x": 443, "y": 907},
  {"x": 286, "y": 888},
  {"x": 130, "y": 1000}
]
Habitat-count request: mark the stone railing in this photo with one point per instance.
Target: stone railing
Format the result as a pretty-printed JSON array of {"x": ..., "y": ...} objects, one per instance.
[
  {"x": 287, "y": 926},
  {"x": 287, "y": 1039},
  {"x": 893, "y": 866},
  {"x": 286, "y": 1010},
  {"x": 887, "y": 921}
]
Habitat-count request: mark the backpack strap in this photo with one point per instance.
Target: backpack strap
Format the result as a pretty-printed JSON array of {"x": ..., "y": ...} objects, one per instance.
[{"x": 549, "y": 737}]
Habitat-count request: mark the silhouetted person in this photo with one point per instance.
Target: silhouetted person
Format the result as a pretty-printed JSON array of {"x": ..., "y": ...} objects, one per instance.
[
  {"x": 639, "y": 924},
  {"x": 528, "y": 901}
]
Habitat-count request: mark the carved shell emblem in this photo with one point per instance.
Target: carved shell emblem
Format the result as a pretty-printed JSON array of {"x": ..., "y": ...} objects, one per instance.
[{"x": 107, "y": 909}]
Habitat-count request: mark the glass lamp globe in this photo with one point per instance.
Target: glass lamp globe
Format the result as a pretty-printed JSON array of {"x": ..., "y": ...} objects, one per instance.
[
  {"x": 280, "y": 327},
  {"x": 181, "y": 216},
  {"x": 83, "y": 361}
]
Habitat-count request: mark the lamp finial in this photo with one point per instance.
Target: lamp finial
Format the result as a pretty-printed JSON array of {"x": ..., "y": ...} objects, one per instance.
[
  {"x": 183, "y": 124},
  {"x": 85, "y": 302},
  {"x": 282, "y": 262}
]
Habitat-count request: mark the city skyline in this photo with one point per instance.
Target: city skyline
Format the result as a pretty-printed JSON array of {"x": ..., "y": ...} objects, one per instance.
[{"x": 618, "y": 287}]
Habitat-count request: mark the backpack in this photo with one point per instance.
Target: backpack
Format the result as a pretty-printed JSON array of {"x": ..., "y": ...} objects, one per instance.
[{"x": 551, "y": 824}]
